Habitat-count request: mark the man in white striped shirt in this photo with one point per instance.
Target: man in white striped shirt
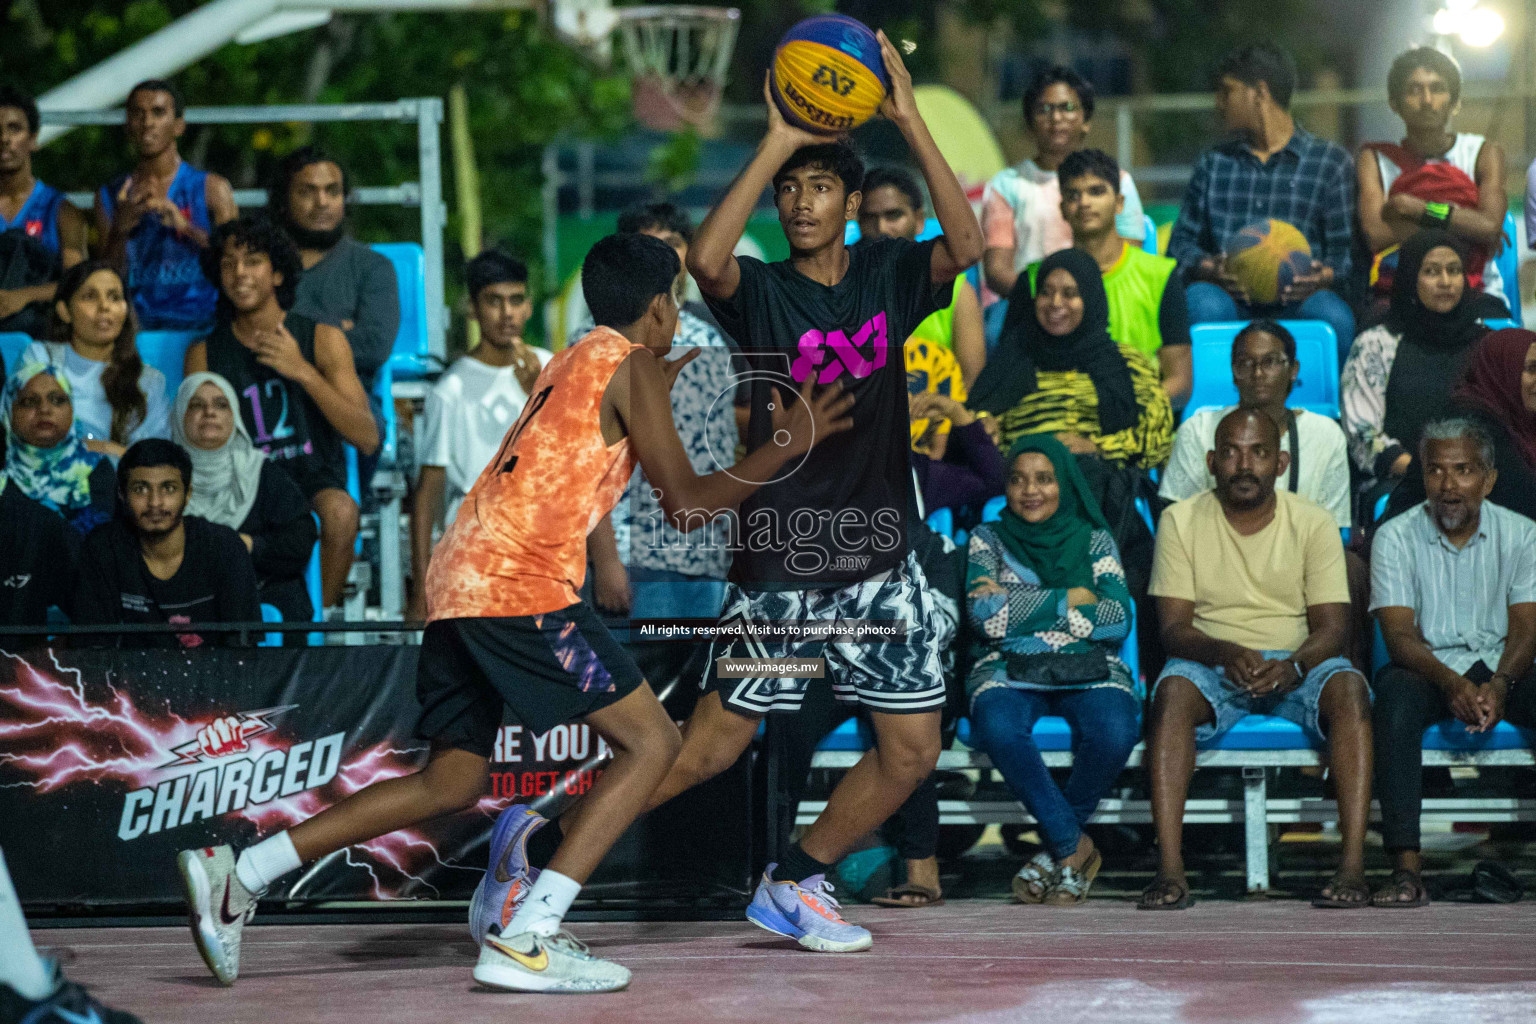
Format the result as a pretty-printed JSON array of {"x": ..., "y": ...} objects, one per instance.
[{"x": 1453, "y": 585}]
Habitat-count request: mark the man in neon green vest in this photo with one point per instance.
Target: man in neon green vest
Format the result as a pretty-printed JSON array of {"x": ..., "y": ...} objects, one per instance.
[
  {"x": 1144, "y": 312},
  {"x": 948, "y": 349}
]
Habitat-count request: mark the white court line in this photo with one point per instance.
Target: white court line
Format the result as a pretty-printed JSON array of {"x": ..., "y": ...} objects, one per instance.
[{"x": 1112, "y": 960}]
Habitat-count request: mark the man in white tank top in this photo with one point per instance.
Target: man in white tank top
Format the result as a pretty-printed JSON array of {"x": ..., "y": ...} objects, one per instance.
[{"x": 1424, "y": 89}]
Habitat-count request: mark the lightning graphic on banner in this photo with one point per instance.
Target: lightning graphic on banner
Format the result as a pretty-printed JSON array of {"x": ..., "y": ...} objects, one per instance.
[{"x": 53, "y": 735}]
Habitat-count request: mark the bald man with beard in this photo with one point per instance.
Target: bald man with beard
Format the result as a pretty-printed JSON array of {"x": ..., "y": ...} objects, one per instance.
[{"x": 1254, "y": 606}]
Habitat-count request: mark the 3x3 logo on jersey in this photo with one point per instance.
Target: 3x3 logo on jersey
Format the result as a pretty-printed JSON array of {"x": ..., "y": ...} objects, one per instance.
[{"x": 846, "y": 353}]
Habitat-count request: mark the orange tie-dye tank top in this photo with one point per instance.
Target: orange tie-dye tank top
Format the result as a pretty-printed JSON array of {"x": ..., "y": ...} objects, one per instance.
[{"x": 519, "y": 544}]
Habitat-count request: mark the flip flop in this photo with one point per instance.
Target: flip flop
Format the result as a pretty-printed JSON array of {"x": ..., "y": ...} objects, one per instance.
[
  {"x": 1162, "y": 887},
  {"x": 1402, "y": 879},
  {"x": 893, "y": 897},
  {"x": 1335, "y": 903}
]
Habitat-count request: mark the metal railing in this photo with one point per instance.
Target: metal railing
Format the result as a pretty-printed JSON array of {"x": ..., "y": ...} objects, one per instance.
[{"x": 425, "y": 194}]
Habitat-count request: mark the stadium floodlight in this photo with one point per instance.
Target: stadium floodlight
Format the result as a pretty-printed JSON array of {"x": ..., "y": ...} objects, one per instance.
[
  {"x": 198, "y": 33},
  {"x": 1469, "y": 21}
]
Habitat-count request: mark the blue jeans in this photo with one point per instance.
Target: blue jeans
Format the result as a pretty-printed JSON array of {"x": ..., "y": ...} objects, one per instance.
[
  {"x": 1208, "y": 302},
  {"x": 1106, "y": 723}
]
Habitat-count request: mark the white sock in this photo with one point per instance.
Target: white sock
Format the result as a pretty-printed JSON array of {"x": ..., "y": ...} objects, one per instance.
[
  {"x": 20, "y": 966},
  {"x": 545, "y": 907},
  {"x": 260, "y": 865}
]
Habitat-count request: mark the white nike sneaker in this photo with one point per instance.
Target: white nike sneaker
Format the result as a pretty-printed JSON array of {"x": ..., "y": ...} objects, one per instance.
[
  {"x": 534, "y": 963},
  {"x": 218, "y": 906}
]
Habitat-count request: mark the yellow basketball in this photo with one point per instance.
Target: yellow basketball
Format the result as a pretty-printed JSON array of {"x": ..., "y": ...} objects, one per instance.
[
  {"x": 1267, "y": 257},
  {"x": 828, "y": 75}
]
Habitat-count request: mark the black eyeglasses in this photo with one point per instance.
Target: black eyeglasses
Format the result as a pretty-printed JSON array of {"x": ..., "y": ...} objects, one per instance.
[
  {"x": 1269, "y": 364},
  {"x": 1047, "y": 109}
]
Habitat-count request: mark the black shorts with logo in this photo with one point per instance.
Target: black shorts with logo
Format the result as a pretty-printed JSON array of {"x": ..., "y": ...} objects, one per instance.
[{"x": 549, "y": 669}]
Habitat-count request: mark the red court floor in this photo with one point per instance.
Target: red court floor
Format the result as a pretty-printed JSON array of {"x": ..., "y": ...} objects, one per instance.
[{"x": 971, "y": 961}]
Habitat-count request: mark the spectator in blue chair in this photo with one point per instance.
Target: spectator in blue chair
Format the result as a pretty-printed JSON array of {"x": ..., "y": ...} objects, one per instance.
[
  {"x": 1265, "y": 369},
  {"x": 1254, "y": 612},
  {"x": 41, "y": 232},
  {"x": 235, "y": 485},
  {"x": 1049, "y": 610},
  {"x": 345, "y": 283},
  {"x": 1400, "y": 372},
  {"x": 46, "y": 459},
  {"x": 1400, "y": 183},
  {"x": 1021, "y": 216},
  {"x": 893, "y": 207},
  {"x": 300, "y": 397},
  {"x": 154, "y": 563},
  {"x": 119, "y": 399},
  {"x": 1498, "y": 394},
  {"x": 38, "y": 558},
  {"x": 1453, "y": 586},
  {"x": 155, "y": 221},
  {"x": 472, "y": 405},
  {"x": 1146, "y": 300},
  {"x": 1272, "y": 169}
]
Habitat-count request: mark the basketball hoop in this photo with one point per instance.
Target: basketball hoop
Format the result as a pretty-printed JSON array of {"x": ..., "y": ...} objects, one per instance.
[{"x": 679, "y": 57}]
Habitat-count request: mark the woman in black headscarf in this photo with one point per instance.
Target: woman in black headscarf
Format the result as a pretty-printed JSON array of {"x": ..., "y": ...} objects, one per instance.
[
  {"x": 1399, "y": 375},
  {"x": 1057, "y": 371}
]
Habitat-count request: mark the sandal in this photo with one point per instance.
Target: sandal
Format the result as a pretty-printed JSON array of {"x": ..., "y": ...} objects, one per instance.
[
  {"x": 926, "y": 897},
  {"x": 1155, "y": 896},
  {"x": 1336, "y": 895},
  {"x": 1403, "y": 881},
  {"x": 1072, "y": 884},
  {"x": 1035, "y": 878},
  {"x": 1495, "y": 883}
]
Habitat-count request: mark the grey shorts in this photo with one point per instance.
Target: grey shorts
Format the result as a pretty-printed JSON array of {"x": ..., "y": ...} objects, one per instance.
[{"x": 1231, "y": 702}]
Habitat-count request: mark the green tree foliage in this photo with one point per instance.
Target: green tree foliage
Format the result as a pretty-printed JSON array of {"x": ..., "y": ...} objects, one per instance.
[{"x": 524, "y": 89}]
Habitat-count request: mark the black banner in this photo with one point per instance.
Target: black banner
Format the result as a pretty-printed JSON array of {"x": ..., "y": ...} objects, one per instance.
[{"x": 108, "y": 767}]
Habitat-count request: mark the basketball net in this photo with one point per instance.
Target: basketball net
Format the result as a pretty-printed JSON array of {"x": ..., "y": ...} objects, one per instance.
[{"x": 678, "y": 57}]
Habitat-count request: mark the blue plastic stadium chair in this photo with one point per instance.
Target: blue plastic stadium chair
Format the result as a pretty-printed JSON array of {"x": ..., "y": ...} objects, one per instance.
[
  {"x": 166, "y": 351},
  {"x": 1261, "y": 732},
  {"x": 931, "y": 229},
  {"x": 412, "y": 356},
  {"x": 12, "y": 345},
  {"x": 1149, "y": 240},
  {"x": 270, "y": 614},
  {"x": 993, "y": 509},
  {"x": 1501, "y": 324},
  {"x": 1317, "y": 388},
  {"x": 942, "y": 520},
  {"x": 1508, "y": 262},
  {"x": 1451, "y": 734}
]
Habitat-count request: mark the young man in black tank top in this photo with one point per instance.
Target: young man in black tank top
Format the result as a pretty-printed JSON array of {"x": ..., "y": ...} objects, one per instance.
[{"x": 300, "y": 396}]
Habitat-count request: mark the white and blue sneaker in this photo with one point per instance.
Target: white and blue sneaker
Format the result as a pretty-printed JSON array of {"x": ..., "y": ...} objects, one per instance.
[
  {"x": 508, "y": 879},
  {"x": 806, "y": 912}
]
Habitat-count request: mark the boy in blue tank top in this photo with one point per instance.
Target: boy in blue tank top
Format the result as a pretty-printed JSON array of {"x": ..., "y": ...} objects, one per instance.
[
  {"x": 49, "y": 233},
  {"x": 156, "y": 219}
]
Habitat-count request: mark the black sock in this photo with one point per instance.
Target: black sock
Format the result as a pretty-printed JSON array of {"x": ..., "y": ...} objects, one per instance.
[
  {"x": 544, "y": 842},
  {"x": 797, "y": 866}
]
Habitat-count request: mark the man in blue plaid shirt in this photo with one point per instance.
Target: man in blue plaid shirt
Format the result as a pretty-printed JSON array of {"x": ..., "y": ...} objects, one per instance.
[{"x": 1272, "y": 169}]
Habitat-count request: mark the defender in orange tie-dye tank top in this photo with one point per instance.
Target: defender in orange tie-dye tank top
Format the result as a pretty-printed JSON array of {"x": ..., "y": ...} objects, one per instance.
[{"x": 519, "y": 544}]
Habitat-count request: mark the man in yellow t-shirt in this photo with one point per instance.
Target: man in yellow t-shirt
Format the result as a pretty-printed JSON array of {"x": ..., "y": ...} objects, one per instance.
[{"x": 1254, "y": 611}]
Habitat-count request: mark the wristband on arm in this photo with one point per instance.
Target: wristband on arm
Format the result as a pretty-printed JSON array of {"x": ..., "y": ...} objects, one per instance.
[{"x": 1435, "y": 215}]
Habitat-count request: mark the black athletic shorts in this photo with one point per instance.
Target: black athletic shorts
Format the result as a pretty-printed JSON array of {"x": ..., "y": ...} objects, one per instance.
[
  {"x": 314, "y": 474},
  {"x": 549, "y": 669}
]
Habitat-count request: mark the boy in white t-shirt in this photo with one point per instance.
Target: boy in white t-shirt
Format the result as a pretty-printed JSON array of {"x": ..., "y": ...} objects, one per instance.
[{"x": 472, "y": 405}]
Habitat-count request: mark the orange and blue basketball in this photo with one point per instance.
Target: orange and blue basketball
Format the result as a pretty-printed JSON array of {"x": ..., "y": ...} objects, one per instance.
[
  {"x": 1268, "y": 256},
  {"x": 828, "y": 74}
]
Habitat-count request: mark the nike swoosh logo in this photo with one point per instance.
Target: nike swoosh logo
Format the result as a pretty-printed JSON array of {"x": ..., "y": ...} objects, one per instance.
[
  {"x": 224, "y": 914},
  {"x": 533, "y": 963}
]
